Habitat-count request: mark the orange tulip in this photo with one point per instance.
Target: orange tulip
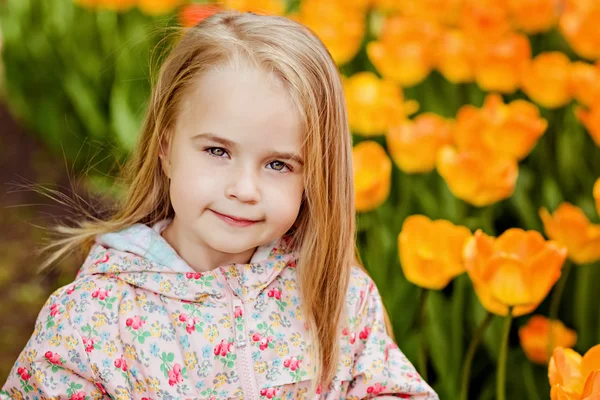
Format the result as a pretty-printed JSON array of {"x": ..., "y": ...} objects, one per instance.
[
  {"x": 534, "y": 16},
  {"x": 499, "y": 63},
  {"x": 477, "y": 176},
  {"x": 191, "y": 14},
  {"x": 517, "y": 269},
  {"x": 590, "y": 118},
  {"x": 571, "y": 228},
  {"x": 579, "y": 26},
  {"x": 372, "y": 175},
  {"x": 597, "y": 194},
  {"x": 413, "y": 145},
  {"x": 341, "y": 28},
  {"x": 573, "y": 377},
  {"x": 585, "y": 82},
  {"x": 485, "y": 20},
  {"x": 445, "y": 12},
  {"x": 546, "y": 79},
  {"x": 403, "y": 52},
  {"x": 431, "y": 251},
  {"x": 455, "y": 56},
  {"x": 374, "y": 105},
  {"x": 266, "y": 7},
  {"x": 158, "y": 7},
  {"x": 535, "y": 336},
  {"x": 509, "y": 130}
]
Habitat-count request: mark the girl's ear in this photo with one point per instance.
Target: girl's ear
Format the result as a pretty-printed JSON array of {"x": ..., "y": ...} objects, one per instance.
[{"x": 165, "y": 160}]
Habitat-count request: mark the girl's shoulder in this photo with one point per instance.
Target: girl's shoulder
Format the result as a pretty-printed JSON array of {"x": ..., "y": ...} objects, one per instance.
[{"x": 360, "y": 287}]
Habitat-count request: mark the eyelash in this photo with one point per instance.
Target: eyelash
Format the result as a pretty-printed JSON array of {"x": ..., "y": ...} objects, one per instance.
[{"x": 208, "y": 150}]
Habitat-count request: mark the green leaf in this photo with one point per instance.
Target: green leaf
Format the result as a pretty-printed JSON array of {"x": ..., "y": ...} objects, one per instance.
[
  {"x": 438, "y": 326},
  {"x": 123, "y": 120},
  {"x": 171, "y": 357}
]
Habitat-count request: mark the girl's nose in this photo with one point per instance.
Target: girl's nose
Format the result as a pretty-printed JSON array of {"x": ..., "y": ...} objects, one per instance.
[{"x": 243, "y": 186}]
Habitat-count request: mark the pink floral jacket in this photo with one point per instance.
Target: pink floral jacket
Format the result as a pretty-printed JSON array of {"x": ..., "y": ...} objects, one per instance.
[{"x": 139, "y": 323}]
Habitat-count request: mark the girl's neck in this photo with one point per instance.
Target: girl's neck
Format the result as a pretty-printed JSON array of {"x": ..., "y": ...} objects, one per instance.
[{"x": 199, "y": 256}]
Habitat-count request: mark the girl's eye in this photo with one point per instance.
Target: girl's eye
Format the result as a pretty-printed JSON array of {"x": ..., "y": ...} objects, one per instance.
[
  {"x": 279, "y": 166},
  {"x": 216, "y": 151}
]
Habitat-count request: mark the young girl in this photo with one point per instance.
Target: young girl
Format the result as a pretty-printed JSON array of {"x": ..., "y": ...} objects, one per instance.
[{"x": 228, "y": 271}]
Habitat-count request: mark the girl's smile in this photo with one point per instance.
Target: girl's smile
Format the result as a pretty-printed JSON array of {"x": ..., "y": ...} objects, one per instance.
[{"x": 234, "y": 221}]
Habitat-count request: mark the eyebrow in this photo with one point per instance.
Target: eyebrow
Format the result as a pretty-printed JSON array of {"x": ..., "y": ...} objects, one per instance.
[{"x": 228, "y": 143}]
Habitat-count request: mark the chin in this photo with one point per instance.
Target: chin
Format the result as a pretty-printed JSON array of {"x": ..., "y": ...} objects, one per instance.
[{"x": 230, "y": 246}]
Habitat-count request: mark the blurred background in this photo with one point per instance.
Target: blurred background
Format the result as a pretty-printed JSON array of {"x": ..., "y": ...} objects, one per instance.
[{"x": 466, "y": 115}]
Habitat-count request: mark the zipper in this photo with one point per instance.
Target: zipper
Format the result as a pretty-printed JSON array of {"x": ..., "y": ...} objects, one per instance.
[{"x": 243, "y": 351}]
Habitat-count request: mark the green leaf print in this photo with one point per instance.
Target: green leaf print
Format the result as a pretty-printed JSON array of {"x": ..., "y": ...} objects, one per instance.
[
  {"x": 141, "y": 336},
  {"x": 170, "y": 357},
  {"x": 281, "y": 305}
]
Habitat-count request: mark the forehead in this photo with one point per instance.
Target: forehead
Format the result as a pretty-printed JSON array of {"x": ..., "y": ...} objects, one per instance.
[{"x": 244, "y": 105}]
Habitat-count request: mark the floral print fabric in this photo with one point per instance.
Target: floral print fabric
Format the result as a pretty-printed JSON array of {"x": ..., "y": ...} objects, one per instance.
[{"x": 139, "y": 323}]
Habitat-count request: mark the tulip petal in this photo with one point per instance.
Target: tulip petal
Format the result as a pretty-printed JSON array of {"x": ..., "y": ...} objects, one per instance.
[
  {"x": 507, "y": 283},
  {"x": 591, "y": 360},
  {"x": 565, "y": 370},
  {"x": 523, "y": 245},
  {"x": 544, "y": 270},
  {"x": 591, "y": 389}
]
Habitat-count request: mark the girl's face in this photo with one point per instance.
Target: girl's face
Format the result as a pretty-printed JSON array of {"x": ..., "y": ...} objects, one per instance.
[{"x": 236, "y": 166}]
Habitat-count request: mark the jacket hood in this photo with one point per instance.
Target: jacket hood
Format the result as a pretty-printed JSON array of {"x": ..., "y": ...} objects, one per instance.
[{"x": 140, "y": 256}]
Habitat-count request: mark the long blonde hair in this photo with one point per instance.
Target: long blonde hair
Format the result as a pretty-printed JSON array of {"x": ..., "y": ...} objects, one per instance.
[{"x": 325, "y": 228}]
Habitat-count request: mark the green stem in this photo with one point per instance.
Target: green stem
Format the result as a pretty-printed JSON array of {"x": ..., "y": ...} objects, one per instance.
[
  {"x": 464, "y": 391},
  {"x": 532, "y": 391},
  {"x": 555, "y": 303},
  {"x": 423, "y": 339},
  {"x": 501, "y": 373}
]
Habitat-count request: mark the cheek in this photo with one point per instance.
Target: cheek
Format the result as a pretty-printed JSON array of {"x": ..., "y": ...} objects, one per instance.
[
  {"x": 193, "y": 185},
  {"x": 285, "y": 198}
]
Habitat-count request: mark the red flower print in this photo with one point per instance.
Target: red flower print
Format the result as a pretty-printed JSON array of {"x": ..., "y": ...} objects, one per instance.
[
  {"x": 101, "y": 387},
  {"x": 89, "y": 343},
  {"x": 275, "y": 293},
  {"x": 375, "y": 389},
  {"x": 101, "y": 294},
  {"x": 292, "y": 363},
  {"x": 77, "y": 396},
  {"x": 319, "y": 389},
  {"x": 345, "y": 331},
  {"x": 268, "y": 392},
  {"x": 238, "y": 312},
  {"x": 352, "y": 337},
  {"x": 175, "y": 375},
  {"x": 71, "y": 289},
  {"x": 364, "y": 334},
  {"x": 24, "y": 373},
  {"x": 191, "y": 324},
  {"x": 193, "y": 275},
  {"x": 54, "y": 311},
  {"x": 135, "y": 322},
  {"x": 54, "y": 358},
  {"x": 102, "y": 260},
  {"x": 264, "y": 342},
  {"x": 121, "y": 363},
  {"x": 183, "y": 317},
  {"x": 256, "y": 337},
  {"x": 223, "y": 348}
]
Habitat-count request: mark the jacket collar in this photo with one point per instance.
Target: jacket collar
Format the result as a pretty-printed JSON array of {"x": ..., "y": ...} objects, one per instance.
[{"x": 140, "y": 256}]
